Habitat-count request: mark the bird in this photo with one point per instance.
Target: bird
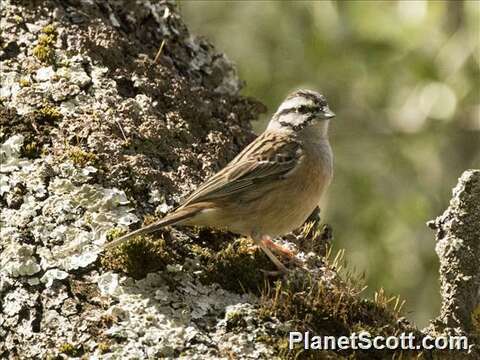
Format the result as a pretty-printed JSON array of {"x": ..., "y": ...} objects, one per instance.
[{"x": 271, "y": 187}]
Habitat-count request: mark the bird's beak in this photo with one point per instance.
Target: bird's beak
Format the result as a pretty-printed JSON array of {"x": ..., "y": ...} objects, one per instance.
[{"x": 326, "y": 113}]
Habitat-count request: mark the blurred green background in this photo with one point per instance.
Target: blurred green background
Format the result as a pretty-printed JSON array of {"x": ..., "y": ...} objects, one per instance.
[{"x": 403, "y": 78}]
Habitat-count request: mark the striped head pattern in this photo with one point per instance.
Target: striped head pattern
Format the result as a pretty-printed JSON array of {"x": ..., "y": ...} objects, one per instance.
[{"x": 300, "y": 110}]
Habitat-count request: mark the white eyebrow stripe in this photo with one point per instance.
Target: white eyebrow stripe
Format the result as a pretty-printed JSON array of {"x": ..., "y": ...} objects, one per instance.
[{"x": 295, "y": 102}]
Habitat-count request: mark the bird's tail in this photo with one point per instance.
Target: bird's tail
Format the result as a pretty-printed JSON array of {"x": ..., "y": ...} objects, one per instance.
[{"x": 171, "y": 219}]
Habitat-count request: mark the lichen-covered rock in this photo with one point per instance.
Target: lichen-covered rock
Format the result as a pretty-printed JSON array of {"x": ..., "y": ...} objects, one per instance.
[
  {"x": 94, "y": 134},
  {"x": 110, "y": 112},
  {"x": 458, "y": 248},
  {"x": 103, "y": 92}
]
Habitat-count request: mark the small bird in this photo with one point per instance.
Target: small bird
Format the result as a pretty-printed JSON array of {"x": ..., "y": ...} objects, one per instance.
[{"x": 272, "y": 186}]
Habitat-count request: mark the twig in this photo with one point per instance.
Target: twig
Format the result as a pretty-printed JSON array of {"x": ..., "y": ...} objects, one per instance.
[
  {"x": 159, "y": 52},
  {"x": 120, "y": 126}
]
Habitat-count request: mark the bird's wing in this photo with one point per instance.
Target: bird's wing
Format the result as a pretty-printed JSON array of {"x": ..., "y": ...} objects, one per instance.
[{"x": 267, "y": 159}]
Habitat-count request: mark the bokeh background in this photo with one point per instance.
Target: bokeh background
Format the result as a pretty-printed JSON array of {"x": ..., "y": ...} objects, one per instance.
[{"x": 403, "y": 78}]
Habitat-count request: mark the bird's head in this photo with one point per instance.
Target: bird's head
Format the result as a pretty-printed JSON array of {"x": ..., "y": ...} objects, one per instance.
[{"x": 301, "y": 110}]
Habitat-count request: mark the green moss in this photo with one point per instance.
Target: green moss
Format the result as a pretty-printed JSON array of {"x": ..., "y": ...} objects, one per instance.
[
  {"x": 31, "y": 150},
  {"x": 44, "y": 50},
  {"x": 81, "y": 157},
  {"x": 234, "y": 264},
  {"x": 18, "y": 19},
  {"x": 476, "y": 321},
  {"x": 69, "y": 349},
  {"x": 24, "y": 82},
  {"x": 65, "y": 62},
  {"x": 49, "y": 30},
  {"x": 234, "y": 316},
  {"x": 333, "y": 308},
  {"x": 104, "y": 348},
  {"x": 114, "y": 233},
  {"x": 149, "y": 219},
  {"x": 236, "y": 267},
  {"x": 235, "y": 320},
  {"x": 48, "y": 114},
  {"x": 138, "y": 257}
]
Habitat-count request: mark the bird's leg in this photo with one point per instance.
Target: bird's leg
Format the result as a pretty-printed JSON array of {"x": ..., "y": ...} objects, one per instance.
[
  {"x": 259, "y": 242},
  {"x": 280, "y": 250}
]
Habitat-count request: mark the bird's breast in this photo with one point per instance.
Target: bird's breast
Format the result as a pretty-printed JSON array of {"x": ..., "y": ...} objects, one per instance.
[{"x": 289, "y": 204}]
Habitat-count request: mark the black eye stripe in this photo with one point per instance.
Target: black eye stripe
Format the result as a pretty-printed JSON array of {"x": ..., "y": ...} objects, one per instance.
[
  {"x": 305, "y": 109},
  {"x": 302, "y": 109}
]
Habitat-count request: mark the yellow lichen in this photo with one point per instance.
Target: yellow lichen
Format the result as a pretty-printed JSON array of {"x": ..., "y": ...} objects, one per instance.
[{"x": 88, "y": 218}]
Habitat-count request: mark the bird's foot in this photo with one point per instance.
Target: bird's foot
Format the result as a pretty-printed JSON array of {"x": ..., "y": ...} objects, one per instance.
[
  {"x": 267, "y": 245},
  {"x": 281, "y": 251}
]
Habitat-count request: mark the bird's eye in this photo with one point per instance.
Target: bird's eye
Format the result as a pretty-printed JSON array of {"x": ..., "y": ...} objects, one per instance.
[{"x": 304, "y": 109}]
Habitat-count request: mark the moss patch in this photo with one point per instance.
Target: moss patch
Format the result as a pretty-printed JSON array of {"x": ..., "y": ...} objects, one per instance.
[
  {"x": 49, "y": 113},
  {"x": 24, "y": 82},
  {"x": 31, "y": 150},
  {"x": 139, "y": 256},
  {"x": 44, "y": 51},
  {"x": 309, "y": 302},
  {"x": 81, "y": 157},
  {"x": 70, "y": 350},
  {"x": 476, "y": 321},
  {"x": 104, "y": 348},
  {"x": 36, "y": 127},
  {"x": 49, "y": 30},
  {"x": 114, "y": 233},
  {"x": 236, "y": 266},
  {"x": 331, "y": 309}
]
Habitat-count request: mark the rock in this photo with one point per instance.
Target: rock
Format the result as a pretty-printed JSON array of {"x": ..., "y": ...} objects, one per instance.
[
  {"x": 44, "y": 74},
  {"x": 51, "y": 275},
  {"x": 458, "y": 248},
  {"x": 74, "y": 131}
]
